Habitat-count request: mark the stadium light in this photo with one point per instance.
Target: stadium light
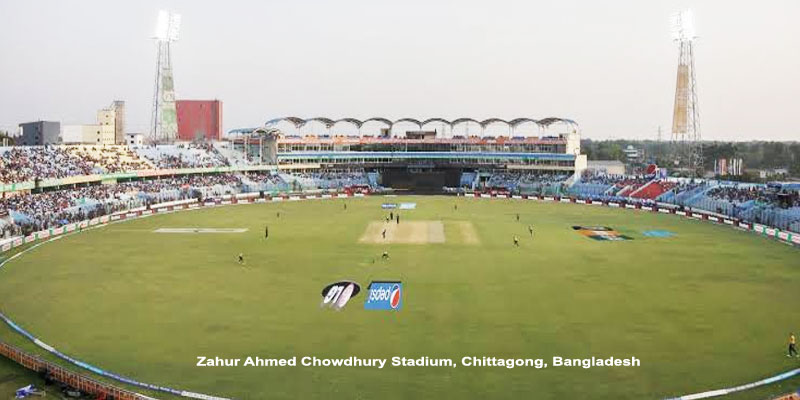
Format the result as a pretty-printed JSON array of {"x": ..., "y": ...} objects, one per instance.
[
  {"x": 683, "y": 25},
  {"x": 168, "y": 26}
]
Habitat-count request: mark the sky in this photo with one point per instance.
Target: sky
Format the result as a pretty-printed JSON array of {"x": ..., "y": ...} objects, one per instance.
[{"x": 610, "y": 65}]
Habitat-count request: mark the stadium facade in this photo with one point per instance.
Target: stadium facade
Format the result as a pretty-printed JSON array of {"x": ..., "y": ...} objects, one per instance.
[{"x": 425, "y": 156}]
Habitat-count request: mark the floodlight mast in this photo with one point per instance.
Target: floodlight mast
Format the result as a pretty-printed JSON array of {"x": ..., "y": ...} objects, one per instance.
[
  {"x": 686, "y": 116},
  {"x": 164, "y": 125}
]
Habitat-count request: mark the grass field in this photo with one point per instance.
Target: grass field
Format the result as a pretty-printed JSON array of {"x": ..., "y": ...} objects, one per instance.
[{"x": 709, "y": 307}]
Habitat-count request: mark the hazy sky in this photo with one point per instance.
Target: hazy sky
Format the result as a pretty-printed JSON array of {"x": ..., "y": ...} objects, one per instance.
[{"x": 610, "y": 64}]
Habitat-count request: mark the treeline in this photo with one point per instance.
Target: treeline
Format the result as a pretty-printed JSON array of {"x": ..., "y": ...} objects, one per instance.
[{"x": 755, "y": 154}]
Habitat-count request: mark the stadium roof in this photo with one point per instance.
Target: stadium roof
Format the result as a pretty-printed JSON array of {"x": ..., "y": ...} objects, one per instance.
[{"x": 328, "y": 122}]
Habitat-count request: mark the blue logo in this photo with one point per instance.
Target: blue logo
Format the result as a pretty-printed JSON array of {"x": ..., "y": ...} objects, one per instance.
[{"x": 384, "y": 296}]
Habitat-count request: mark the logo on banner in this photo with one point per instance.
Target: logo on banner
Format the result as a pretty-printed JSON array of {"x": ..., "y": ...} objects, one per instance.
[
  {"x": 408, "y": 206},
  {"x": 384, "y": 295},
  {"x": 658, "y": 234},
  {"x": 601, "y": 233},
  {"x": 338, "y": 294},
  {"x": 388, "y": 206}
]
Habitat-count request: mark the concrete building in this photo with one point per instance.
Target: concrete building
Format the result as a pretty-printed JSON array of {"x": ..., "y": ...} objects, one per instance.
[
  {"x": 88, "y": 134},
  {"x": 39, "y": 133},
  {"x": 199, "y": 119},
  {"x": 104, "y": 132},
  {"x": 633, "y": 154},
  {"x": 134, "y": 139},
  {"x": 119, "y": 121},
  {"x": 107, "y": 123}
]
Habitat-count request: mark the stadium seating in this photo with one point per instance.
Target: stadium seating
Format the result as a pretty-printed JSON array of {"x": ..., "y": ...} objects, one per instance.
[
  {"x": 776, "y": 205},
  {"x": 22, "y": 164},
  {"x": 182, "y": 156},
  {"x": 653, "y": 190},
  {"x": 110, "y": 159}
]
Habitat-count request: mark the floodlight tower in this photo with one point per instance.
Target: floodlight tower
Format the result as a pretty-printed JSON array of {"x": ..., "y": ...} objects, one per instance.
[
  {"x": 686, "y": 115},
  {"x": 164, "y": 123}
]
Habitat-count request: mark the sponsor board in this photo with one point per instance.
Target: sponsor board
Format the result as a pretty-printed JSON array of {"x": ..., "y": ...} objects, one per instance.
[
  {"x": 408, "y": 206},
  {"x": 338, "y": 294},
  {"x": 389, "y": 206},
  {"x": 384, "y": 295},
  {"x": 601, "y": 233}
]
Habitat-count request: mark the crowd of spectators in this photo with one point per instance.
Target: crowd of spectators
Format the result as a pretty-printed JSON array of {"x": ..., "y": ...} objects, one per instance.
[
  {"x": 737, "y": 194},
  {"x": 526, "y": 182},
  {"x": 110, "y": 159},
  {"x": 602, "y": 179},
  {"x": 22, "y": 164},
  {"x": 264, "y": 177},
  {"x": 37, "y": 211},
  {"x": 188, "y": 155}
]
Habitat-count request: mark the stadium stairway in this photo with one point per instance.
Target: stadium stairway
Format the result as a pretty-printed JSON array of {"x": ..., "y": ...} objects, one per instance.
[{"x": 373, "y": 178}]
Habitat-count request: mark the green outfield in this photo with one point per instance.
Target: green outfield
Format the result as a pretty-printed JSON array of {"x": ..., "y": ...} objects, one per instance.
[{"x": 709, "y": 307}]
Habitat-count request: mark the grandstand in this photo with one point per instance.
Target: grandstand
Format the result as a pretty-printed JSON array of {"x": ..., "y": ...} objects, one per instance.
[
  {"x": 49, "y": 186},
  {"x": 420, "y": 159}
]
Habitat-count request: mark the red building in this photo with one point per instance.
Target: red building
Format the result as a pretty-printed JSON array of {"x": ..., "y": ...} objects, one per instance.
[{"x": 199, "y": 119}]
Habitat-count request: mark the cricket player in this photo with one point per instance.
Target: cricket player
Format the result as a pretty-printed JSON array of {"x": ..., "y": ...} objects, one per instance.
[
  {"x": 792, "y": 345},
  {"x": 516, "y": 241},
  {"x": 241, "y": 258}
]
